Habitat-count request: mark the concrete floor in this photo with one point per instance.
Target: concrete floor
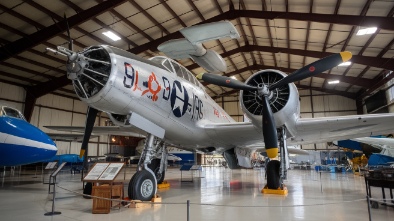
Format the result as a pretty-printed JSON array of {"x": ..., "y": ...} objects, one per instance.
[{"x": 223, "y": 194}]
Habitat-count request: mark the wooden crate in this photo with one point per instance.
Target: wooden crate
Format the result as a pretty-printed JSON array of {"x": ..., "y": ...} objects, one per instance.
[{"x": 101, "y": 205}]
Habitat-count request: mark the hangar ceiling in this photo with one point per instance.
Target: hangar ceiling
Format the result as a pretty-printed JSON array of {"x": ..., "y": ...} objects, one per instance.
[{"x": 280, "y": 34}]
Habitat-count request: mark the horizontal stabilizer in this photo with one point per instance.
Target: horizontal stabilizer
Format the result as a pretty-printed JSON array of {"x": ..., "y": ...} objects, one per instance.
[
  {"x": 191, "y": 47},
  {"x": 210, "y": 31}
]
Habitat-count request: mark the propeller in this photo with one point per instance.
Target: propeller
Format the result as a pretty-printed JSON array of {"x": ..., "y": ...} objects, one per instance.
[
  {"x": 264, "y": 91},
  {"x": 92, "y": 112},
  {"x": 90, "y": 118},
  {"x": 70, "y": 41}
]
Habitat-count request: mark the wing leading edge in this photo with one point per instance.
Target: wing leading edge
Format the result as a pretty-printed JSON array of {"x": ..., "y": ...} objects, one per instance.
[{"x": 308, "y": 130}]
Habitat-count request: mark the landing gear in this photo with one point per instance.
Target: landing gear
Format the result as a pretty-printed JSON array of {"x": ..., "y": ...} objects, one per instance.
[
  {"x": 155, "y": 167},
  {"x": 142, "y": 186},
  {"x": 150, "y": 172},
  {"x": 277, "y": 170}
]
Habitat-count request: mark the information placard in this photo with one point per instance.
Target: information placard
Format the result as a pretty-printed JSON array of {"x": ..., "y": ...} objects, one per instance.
[
  {"x": 58, "y": 169},
  {"x": 50, "y": 165},
  {"x": 96, "y": 171},
  {"x": 111, "y": 172}
]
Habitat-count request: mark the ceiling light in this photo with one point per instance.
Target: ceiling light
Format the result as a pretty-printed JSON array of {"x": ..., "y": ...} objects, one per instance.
[
  {"x": 367, "y": 31},
  {"x": 111, "y": 35},
  {"x": 333, "y": 82},
  {"x": 233, "y": 77},
  {"x": 347, "y": 63}
]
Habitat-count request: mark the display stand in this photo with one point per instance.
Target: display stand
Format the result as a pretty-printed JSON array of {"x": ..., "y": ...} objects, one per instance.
[
  {"x": 102, "y": 175},
  {"x": 53, "y": 176},
  {"x": 50, "y": 166}
]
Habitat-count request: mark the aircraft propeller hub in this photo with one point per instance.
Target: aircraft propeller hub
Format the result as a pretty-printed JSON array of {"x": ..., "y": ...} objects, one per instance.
[
  {"x": 263, "y": 90},
  {"x": 75, "y": 67}
]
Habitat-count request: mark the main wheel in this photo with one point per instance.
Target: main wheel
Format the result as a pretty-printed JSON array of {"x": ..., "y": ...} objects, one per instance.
[
  {"x": 273, "y": 174},
  {"x": 130, "y": 188},
  {"x": 155, "y": 167},
  {"x": 143, "y": 186}
]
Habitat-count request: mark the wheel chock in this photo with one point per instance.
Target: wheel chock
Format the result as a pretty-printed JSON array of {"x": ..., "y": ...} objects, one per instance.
[
  {"x": 163, "y": 185},
  {"x": 156, "y": 199},
  {"x": 143, "y": 204},
  {"x": 278, "y": 191}
]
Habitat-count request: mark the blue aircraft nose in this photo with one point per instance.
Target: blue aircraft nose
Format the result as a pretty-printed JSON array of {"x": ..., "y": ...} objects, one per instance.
[{"x": 22, "y": 143}]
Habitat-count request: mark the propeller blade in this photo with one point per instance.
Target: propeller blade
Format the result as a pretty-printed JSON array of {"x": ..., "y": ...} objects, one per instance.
[
  {"x": 91, "y": 117},
  {"x": 225, "y": 81},
  {"x": 269, "y": 129},
  {"x": 314, "y": 68},
  {"x": 70, "y": 41}
]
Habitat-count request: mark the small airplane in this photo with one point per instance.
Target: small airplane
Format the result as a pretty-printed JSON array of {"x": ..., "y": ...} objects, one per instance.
[
  {"x": 165, "y": 102},
  {"x": 68, "y": 158},
  {"x": 386, "y": 145},
  {"x": 20, "y": 142}
]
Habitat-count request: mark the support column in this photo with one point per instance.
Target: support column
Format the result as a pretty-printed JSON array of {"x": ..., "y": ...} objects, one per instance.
[{"x": 30, "y": 101}]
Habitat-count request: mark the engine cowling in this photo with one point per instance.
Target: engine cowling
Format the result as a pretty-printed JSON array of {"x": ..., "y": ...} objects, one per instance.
[{"x": 284, "y": 101}]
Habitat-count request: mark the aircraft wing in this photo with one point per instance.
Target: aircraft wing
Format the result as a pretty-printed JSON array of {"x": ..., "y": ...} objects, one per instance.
[
  {"x": 389, "y": 142},
  {"x": 318, "y": 130},
  {"x": 308, "y": 130},
  {"x": 68, "y": 137},
  {"x": 102, "y": 130}
]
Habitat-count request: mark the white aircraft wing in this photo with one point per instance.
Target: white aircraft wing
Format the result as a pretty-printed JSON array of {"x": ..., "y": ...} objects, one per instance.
[
  {"x": 309, "y": 130},
  {"x": 318, "y": 130},
  {"x": 389, "y": 142},
  {"x": 103, "y": 130},
  {"x": 68, "y": 137}
]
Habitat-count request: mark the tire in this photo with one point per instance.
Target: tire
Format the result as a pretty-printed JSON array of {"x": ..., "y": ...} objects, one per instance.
[
  {"x": 143, "y": 186},
  {"x": 130, "y": 188},
  {"x": 88, "y": 190},
  {"x": 155, "y": 167},
  {"x": 273, "y": 174}
]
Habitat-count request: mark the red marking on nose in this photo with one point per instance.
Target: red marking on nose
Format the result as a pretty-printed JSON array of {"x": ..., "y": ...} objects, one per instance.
[
  {"x": 312, "y": 69},
  {"x": 167, "y": 88},
  {"x": 227, "y": 81}
]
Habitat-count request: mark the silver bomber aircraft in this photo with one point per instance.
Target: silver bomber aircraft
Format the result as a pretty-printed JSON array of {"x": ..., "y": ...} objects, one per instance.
[{"x": 165, "y": 102}]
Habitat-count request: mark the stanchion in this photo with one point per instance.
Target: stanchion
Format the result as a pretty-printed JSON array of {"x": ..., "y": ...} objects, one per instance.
[
  {"x": 53, "y": 175},
  {"x": 188, "y": 210},
  {"x": 53, "y": 212},
  {"x": 321, "y": 184},
  {"x": 369, "y": 208}
]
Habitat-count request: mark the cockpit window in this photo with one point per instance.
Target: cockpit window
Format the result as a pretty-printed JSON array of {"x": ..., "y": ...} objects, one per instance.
[
  {"x": 167, "y": 64},
  {"x": 10, "y": 112},
  {"x": 177, "y": 69}
]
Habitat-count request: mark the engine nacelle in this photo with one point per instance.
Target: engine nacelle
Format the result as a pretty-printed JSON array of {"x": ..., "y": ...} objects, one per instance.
[{"x": 284, "y": 101}]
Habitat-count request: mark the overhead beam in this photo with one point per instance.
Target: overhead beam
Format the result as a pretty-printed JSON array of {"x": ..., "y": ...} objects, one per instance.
[
  {"x": 363, "y": 82},
  {"x": 47, "y": 87},
  {"x": 49, "y": 32},
  {"x": 379, "y": 81},
  {"x": 379, "y": 62},
  {"x": 355, "y": 20}
]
